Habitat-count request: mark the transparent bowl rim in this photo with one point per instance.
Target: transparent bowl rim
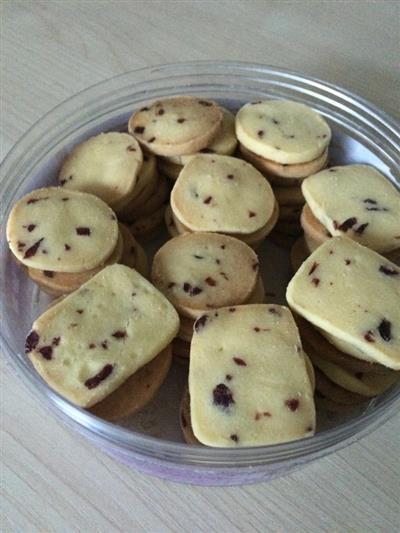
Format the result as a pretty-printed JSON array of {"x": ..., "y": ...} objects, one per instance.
[{"x": 147, "y": 446}]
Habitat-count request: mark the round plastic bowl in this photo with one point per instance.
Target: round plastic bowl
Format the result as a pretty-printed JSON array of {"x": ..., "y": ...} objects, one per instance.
[{"x": 362, "y": 133}]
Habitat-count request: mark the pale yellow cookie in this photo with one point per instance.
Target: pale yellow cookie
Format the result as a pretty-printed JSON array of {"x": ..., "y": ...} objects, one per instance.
[
  {"x": 176, "y": 126},
  {"x": 248, "y": 379},
  {"x": 353, "y": 295},
  {"x": 222, "y": 194},
  {"x": 106, "y": 165},
  {"x": 358, "y": 201},
  {"x": 61, "y": 230},
  {"x": 93, "y": 340},
  {"x": 283, "y": 131}
]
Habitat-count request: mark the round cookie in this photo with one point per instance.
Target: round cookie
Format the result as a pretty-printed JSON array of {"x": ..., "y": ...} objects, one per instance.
[
  {"x": 298, "y": 254},
  {"x": 222, "y": 194},
  {"x": 60, "y": 283},
  {"x": 356, "y": 201},
  {"x": 288, "y": 195},
  {"x": 282, "y": 131},
  {"x": 319, "y": 344},
  {"x": 312, "y": 227},
  {"x": 137, "y": 391},
  {"x": 148, "y": 226},
  {"x": 197, "y": 271},
  {"x": 176, "y": 126},
  {"x": 106, "y": 165},
  {"x": 185, "y": 418},
  {"x": 224, "y": 143},
  {"x": 145, "y": 185},
  {"x": 61, "y": 230}
]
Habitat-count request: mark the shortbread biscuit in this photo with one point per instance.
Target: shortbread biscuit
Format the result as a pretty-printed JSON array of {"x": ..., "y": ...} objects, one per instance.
[
  {"x": 358, "y": 201},
  {"x": 137, "y": 391},
  {"x": 205, "y": 270},
  {"x": 176, "y": 126},
  {"x": 61, "y": 230},
  {"x": 248, "y": 380},
  {"x": 93, "y": 340},
  {"x": 223, "y": 194},
  {"x": 106, "y": 165},
  {"x": 282, "y": 131},
  {"x": 353, "y": 294}
]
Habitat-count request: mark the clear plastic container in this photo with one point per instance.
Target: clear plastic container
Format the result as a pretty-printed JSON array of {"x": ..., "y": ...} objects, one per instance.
[{"x": 150, "y": 442}]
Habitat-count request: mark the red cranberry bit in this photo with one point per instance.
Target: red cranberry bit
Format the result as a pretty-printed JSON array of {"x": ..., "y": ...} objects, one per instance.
[
  {"x": 385, "y": 330},
  {"x": 104, "y": 345},
  {"x": 31, "y": 341},
  {"x": 274, "y": 311},
  {"x": 207, "y": 200},
  {"x": 46, "y": 352},
  {"x": 139, "y": 130},
  {"x": 92, "y": 345},
  {"x": 293, "y": 404},
  {"x": 223, "y": 396},
  {"x": 210, "y": 281},
  {"x": 388, "y": 271},
  {"x": 313, "y": 268},
  {"x": 347, "y": 261},
  {"x": 361, "y": 228},
  {"x": 83, "y": 231},
  {"x": 144, "y": 109},
  {"x": 200, "y": 323},
  {"x": 119, "y": 334},
  {"x": 347, "y": 224},
  {"x": 309, "y": 428},
  {"x": 369, "y": 336},
  {"x": 32, "y": 201},
  {"x": 252, "y": 214},
  {"x": 64, "y": 199},
  {"x": 181, "y": 120},
  {"x": 315, "y": 281},
  {"x": 232, "y": 309},
  {"x": 63, "y": 182},
  {"x": 205, "y": 103},
  {"x": 230, "y": 176},
  {"x": 48, "y": 273},
  {"x": 21, "y": 246},
  {"x": 55, "y": 341},
  {"x": 260, "y": 133},
  {"x": 30, "y": 228},
  {"x": 234, "y": 437},
  {"x": 192, "y": 291},
  {"x": 95, "y": 381},
  {"x": 151, "y": 140},
  {"x": 160, "y": 111},
  {"x": 198, "y": 256},
  {"x": 239, "y": 361},
  {"x": 224, "y": 276},
  {"x": 131, "y": 148},
  {"x": 67, "y": 247},
  {"x": 369, "y": 201},
  {"x": 258, "y": 416},
  {"x": 172, "y": 284},
  {"x": 228, "y": 377},
  {"x": 30, "y": 252}
]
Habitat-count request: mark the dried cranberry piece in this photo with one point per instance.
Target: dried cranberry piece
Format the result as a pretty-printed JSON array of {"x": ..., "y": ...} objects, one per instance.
[
  {"x": 200, "y": 323},
  {"x": 274, "y": 311},
  {"x": 198, "y": 256},
  {"x": 313, "y": 268},
  {"x": 361, "y": 228},
  {"x": 260, "y": 133},
  {"x": 181, "y": 120},
  {"x": 151, "y": 140},
  {"x": 369, "y": 336},
  {"x": 369, "y": 201},
  {"x": 234, "y": 437},
  {"x": 48, "y": 273},
  {"x": 347, "y": 261},
  {"x": 239, "y": 361},
  {"x": 46, "y": 352},
  {"x": 92, "y": 345},
  {"x": 347, "y": 224},
  {"x": 224, "y": 276},
  {"x": 230, "y": 176},
  {"x": 104, "y": 345},
  {"x": 119, "y": 334},
  {"x": 30, "y": 252},
  {"x": 205, "y": 103},
  {"x": 210, "y": 281},
  {"x": 293, "y": 404},
  {"x": 223, "y": 396},
  {"x": 79, "y": 311},
  {"x": 252, "y": 214},
  {"x": 95, "y": 381},
  {"x": 139, "y": 129},
  {"x": 31, "y": 227},
  {"x": 31, "y": 341},
  {"x": 83, "y": 231},
  {"x": 207, "y": 200},
  {"x": 228, "y": 377},
  {"x": 388, "y": 271},
  {"x": 192, "y": 291},
  {"x": 171, "y": 284},
  {"x": 315, "y": 281},
  {"x": 232, "y": 309},
  {"x": 55, "y": 341},
  {"x": 67, "y": 247},
  {"x": 385, "y": 330},
  {"x": 21, "y": 246}
]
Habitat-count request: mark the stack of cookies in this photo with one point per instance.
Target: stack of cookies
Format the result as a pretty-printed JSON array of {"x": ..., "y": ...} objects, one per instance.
[
  {"x": 113, "y": 167},
  {"x": 97, "y": 348},
  {"x": 287, "y": 142},
  {"x": 349, "y": 298},
  {"x": 248, "y": 379},
  {"x": 216, "y": 193},
  {"x": 63, "y": 238},
  {"x": 352, "y": 200},
  {"x": 202, "y": 271}
]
